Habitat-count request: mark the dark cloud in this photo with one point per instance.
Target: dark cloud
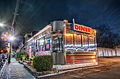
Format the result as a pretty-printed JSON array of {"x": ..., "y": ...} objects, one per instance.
[{"x": 36, "y": 14}]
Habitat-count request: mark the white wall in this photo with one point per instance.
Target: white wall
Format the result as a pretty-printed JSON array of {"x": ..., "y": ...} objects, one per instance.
[
  {"x": 118, "y": 51},
  {"x": 108, "y": 52}
]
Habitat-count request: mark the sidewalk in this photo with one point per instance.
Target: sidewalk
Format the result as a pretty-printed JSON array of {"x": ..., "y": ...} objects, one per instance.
[{"x": 17, "y": 71}]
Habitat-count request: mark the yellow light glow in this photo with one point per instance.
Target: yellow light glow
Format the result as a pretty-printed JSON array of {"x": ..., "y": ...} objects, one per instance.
[
  {"x": 92, "y": 56},
  {"x": 94, "y": 60},
  {"x": 68, "y": 34}
]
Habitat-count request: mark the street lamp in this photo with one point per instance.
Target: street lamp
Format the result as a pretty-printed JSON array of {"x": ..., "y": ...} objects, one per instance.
[
  {"x": 2, "y": 24},
  {"x": 12, "y": 38}
]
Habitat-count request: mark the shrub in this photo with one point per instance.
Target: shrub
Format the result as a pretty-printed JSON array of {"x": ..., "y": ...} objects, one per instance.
[
  {"x": 32, "y": 58},
  {"x": 18, "y": 56},
  {"x": 21, "y": 55},
  {"x": 27, "y": 57},
  {"x": 43, "y": 63}
]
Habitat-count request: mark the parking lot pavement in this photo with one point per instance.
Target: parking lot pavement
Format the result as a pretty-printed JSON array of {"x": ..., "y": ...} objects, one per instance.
[
  {"x": 108, "y": 68},
  {"x": 111, "y": 73}
]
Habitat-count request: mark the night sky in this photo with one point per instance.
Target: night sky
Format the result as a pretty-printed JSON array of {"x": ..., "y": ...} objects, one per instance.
[{"x": 33, "y": 15}]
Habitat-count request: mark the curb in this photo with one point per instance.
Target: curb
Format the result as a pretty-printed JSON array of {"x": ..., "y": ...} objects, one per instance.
[
  {"x": 33, "y": 72},
  {"x": 66, "y": 71}
]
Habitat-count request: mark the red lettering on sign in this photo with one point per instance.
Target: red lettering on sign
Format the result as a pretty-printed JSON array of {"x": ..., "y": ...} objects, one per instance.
[
  {"x": 76, "y": 27},
  {"x": 82, "y": 28},
  {"x": 89, "y": 30}
]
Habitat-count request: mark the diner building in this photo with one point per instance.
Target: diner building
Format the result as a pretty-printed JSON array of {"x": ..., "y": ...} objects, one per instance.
[{"x": 70, "y": 44}]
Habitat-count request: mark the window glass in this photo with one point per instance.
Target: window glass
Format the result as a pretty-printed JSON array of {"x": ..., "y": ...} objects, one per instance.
[
  {"x": 47, "y": 44},
  {"x": 77, "y": 40},
  {"x": 85, "y": 40},
  {"x": 41, "y": 44},
  {"x": 91, "y": 41}
]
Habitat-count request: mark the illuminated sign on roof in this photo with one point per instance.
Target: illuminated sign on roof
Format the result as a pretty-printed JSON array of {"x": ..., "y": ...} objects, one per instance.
[{"x": 81, "y": 28}]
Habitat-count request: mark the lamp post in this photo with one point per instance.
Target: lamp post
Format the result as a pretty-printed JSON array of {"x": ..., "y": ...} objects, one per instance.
[
  {"x": 11, "y": 39},
  {"x": 13, "y": 28},
  {"x": 9, "y": 54}
]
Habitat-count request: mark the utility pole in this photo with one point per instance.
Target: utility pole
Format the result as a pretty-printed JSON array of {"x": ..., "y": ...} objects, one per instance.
[{"x": 13, "y": 27}]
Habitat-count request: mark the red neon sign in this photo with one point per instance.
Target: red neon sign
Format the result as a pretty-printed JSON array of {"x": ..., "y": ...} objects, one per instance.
[{"x": 82, "y": 28}]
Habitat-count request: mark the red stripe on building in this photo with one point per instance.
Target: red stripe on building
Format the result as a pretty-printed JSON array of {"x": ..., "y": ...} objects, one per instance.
[
  {"x": 40, "y": 55},
  {"x": 82, "y": 62},
  {"x": 78, "y": 55},
  {"x": 81, "y": 59},
  {"x": 29, "y": 54}
]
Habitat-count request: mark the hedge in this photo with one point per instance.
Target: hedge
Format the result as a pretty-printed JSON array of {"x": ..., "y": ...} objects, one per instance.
[
  {"x": 21, "y": 56},
  {"x": 43, "y": 63},
  {"x": 32, "y": 58}
]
